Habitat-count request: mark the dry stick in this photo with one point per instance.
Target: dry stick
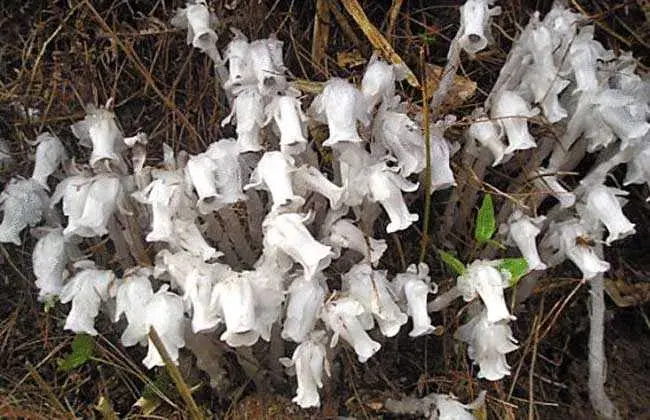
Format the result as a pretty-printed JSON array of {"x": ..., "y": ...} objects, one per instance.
[
  {"x": 321, "y": 33},
  {"x": 172, "y": 369},
  {"x": 531, "y": 382},
  {"x": 393, "y": 14},
  {"x": 427, "y": 169},
  {"x": 377, "y": 39},
  {"x": 133, "y": 57}
]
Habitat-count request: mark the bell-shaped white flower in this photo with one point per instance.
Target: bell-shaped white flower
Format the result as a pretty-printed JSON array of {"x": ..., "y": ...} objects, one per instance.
[
  {"x": 341, "y": 316},
  {"x": 198, "y": 290},
  {"x": 602, "y": 203},
  {"x": 378, "y": 83},
  {"x": 99, "y": 129},
  {"x": 370, "y": 288},
  {"x": 164, "y": 198},
  {"x": 225, "y": 154},
  {"x": 269, "y": 294},
  {"x": 201, "y": 170},
  {"x": 489, "y": 342},
  {"x": 522, "y": 230},
  {"x": 248, "y": 109},
  {"x": 100, "y": 202},
  {"x": 483, "y": 279},
  {"x": 308, "y": 178},
  {"x": 512, "y": 113},
  {"x": 24, "y": 201},
  {"x": 386, "y": 188},
  {"x": 571, "y": 240},
  {"x": 584, "y": 54},
  {"x": 50, "y": 153},
  {"x": 546, "y": 180},
  {"x": 638, "y": 169},
  {"x": 341, "y": 105},
  {"x": 474, "y": 23},
  {"x": 86, "y": 289},
  {"x": 164, "y": 313},
  {"x": 627, "y": 126},
  {"x": 265, "y": 57},
  {"x": 239, "y": 63},
  {"x": 288, "y": 116},
  {"x": 449, "y": 408},
  {"x": 188, "y": 236},
  {"x": 49, "y": 259},
  {"x": 306, "y": 297},
  {"x": 288, "y": 233},
  {"x": 354, "y": 163},
  {"x": 402, "y": 137},
  {"x": 308, "y": 360},
  {"x": 442, "y": 176},
  {"x": 198, "y": 21},
  {"x": 488, "y": 133},
  {"x": 413, "y": 288},
  {"x": 273, "y": 172},
  {"x": 133, "y": 295},
  {"x": 344, "y": 234},
  {"x": 236, "y": 301}
]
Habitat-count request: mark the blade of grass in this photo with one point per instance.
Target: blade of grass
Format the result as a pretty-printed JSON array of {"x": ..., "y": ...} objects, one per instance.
[{"x": 177, "y": 377}]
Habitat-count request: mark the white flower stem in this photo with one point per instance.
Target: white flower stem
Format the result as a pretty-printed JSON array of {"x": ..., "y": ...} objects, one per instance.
[{"x": 597, "y": 359}]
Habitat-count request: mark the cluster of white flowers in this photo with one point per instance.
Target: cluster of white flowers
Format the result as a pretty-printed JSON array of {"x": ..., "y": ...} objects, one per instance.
[{"x": 555, "y": 71}]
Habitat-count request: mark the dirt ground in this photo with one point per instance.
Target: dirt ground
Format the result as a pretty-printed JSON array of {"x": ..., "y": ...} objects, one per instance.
[{"x": 58, "y": 56}]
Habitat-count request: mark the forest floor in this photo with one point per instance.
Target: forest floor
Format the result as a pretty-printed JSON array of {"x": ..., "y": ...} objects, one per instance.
[{"x": 55, "y": 57}]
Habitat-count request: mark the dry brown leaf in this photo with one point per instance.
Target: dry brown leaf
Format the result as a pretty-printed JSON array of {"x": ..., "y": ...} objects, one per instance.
[
  {"x": 625, "y": 294},
  {"x": 462, "y": 90}
]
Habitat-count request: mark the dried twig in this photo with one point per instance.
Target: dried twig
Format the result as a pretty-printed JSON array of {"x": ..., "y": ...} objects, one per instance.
[{"x": 377, "y": 39}]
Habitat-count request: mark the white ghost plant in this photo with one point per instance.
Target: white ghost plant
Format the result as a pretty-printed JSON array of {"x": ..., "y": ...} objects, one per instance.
[
  {"x": 488, "y": 343},
  {"x": 308, "y": 362},
  {"x": 248, "y": 110},
  {"x": 385, "y": 187},
  {"x": 306, "y": 298},
  {"x": 522, "y": 231},
  {"x": 341, "y": 314},
  {"x": 370, "y": 287},
  {"x": 49, "y": 259},
  {"x": 99, "y": 129},
  {"x": 475, "y": 17},
  {"x": 488, "y": 133},
  {"x": 273, "y": 172},
  {"x": 198, "y": 21},
  {"x": 133, "y": 294},
  {"x": 287, "y": 232},
  {"x": 288, "y": 117},
  {"x": 86, "y": 289},
  {"x": 483, "y": 279},
  {"x": 344, "y": 234},
  {"x": 602, "y": 204},
  {"x": 24, "y": 203},
  {"x": 164, "y": 313},
  {"x": 340, "y": 105},
  {"x": 50, "y": 153},
  {"x": 413, "y": 288},
  {"x": 571, "y": 239},
  {"x": 512, "y": 113}
]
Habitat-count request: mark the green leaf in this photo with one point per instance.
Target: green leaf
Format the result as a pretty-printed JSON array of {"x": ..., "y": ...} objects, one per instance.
[
  {"x": 516, "y": 267},
  {"x": 82, "y": 350},
  {"x": 486, "y": 224},
  {"x": 453, "y": 262}
]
